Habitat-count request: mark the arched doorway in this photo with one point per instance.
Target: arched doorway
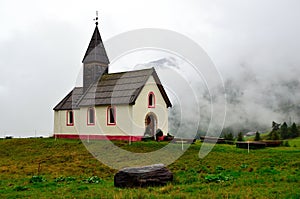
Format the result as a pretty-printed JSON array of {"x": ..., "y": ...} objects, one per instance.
[{"x": 150, "y": 125}]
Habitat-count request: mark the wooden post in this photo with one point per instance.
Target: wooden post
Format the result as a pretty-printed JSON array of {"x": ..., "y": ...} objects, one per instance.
[{"x": 248, "y": 148}]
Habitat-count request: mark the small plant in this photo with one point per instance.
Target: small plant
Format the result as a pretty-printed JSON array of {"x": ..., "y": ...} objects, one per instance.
[
  {"x": 21, "y": 188},
  {"x": 92, "y": 180},
  {"x": 221, "y": 177},
  {"x": 82, "y": 188},
  {"x": 268, "y": 171},
  {"x": 244, "y": 166},
  {"x": 64, "y": 179},
  {"x": 219, "y": 169},
  {"x": 37, "y": 179}
]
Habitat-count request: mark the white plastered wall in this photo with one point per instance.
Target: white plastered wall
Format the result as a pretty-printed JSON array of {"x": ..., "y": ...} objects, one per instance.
[
  {"x": 60, "y": 122},
  {"x": 140, "y": 109},
  {"x": 123, "y": 125}
]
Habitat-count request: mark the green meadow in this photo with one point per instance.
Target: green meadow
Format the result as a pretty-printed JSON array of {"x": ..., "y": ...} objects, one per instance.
[{"x": 49, "y": 168}]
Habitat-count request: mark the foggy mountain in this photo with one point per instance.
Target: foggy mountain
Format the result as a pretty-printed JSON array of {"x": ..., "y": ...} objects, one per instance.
[{"x": 254, "y": 99}]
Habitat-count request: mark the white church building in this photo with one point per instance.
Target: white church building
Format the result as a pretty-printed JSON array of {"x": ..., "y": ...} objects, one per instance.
[{"x": 114, "y": 106}]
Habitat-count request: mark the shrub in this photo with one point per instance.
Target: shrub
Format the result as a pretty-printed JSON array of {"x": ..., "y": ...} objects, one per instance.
[
  {"x": 273, "y": 135},
  {"x": 159, "y": 132},
  {"x": 229, "y": 136},
  {"x": 286, "y": 143}
]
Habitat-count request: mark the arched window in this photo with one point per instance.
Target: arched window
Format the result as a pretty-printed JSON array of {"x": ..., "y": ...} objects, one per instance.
[
  {"x": 151, "y": 100},
  {"x": 111, "y": 115},
  {"x": 70, "y": 118},
  {"x": 91, "y": 116}
]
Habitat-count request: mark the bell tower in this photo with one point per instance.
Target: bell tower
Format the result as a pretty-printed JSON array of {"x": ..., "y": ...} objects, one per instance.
[{"x": 95, "y": 61}]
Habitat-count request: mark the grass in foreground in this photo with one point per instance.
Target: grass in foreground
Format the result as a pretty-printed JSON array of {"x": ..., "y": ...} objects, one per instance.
[{"x": 65, "y": 169}]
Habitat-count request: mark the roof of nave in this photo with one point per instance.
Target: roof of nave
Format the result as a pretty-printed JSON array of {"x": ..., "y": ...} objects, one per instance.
[{"x": 113, "y": 89}]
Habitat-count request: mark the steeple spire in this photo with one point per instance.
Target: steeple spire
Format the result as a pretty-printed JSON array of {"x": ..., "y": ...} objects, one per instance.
[{"x": 96, "y": 52}]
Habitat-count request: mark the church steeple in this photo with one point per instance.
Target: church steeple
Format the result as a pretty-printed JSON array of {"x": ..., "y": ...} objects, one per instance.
[
  {"x": 95, "y": 61},
  {"x": 96, "y": 51}
]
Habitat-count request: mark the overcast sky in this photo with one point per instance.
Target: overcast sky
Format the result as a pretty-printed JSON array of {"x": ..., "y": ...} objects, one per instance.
[{"x": 42, "y": 43}]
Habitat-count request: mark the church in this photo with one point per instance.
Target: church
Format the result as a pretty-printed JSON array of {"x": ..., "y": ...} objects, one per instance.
[{"x": 126, "y": 105}]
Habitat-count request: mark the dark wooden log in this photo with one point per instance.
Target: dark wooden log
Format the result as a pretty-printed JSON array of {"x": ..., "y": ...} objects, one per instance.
[
  {"x": 273, "y": 143},
  {"x": 152, "y": 175},
  {"x": 252, "y": 145},
  {"x": 209, "y": 139}
]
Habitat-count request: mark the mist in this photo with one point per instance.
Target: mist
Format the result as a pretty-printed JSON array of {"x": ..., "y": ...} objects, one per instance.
[{"x": 254, "y": 98}]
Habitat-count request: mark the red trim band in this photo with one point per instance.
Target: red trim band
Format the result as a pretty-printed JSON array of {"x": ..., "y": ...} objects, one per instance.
[{"x": 99, "y": 137}]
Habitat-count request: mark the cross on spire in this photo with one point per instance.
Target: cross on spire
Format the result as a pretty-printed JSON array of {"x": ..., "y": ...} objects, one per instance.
[{"x": 96, "y": 19}]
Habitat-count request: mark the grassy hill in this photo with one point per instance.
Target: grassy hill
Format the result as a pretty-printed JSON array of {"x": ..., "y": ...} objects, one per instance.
[{"x": 48, "y": 168}]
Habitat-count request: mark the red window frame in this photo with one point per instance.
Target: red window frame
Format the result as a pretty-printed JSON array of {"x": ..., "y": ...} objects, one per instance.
[
  {"x": 89, "y": 123},
  {"x": 108, "y": 116},
  {"x": 68, "y": 118},
  {"x": 153, "y": 100}
]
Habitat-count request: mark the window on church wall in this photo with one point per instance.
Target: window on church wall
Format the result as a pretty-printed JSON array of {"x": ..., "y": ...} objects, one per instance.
[
  {"x": 70, "y": 118},
  {"x": 151, "y": 100},
  {"x": 111, "y": 115},
  {"x": 91, "y": 116}
]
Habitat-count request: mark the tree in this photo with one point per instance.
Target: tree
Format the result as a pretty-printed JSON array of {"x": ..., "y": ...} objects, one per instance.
[
  {"x": 257, "y": 136},
  {"x": 240, "y": 137},
  {"x": 284, "y": 132},
  {"x": 275, "y": 126},
  {"x": 274, "y": 134},
  {"x": 294, "y": 131},
  {"x": 228, "y": 136}
]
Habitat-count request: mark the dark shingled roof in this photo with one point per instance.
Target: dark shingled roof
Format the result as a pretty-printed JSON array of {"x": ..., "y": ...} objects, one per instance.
[
  {"x": 114, "y": 88},
  {"x": 120, "y": 88},
  {"x": 96, "y": 51},
  {"x": 70, "y": 101}
]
